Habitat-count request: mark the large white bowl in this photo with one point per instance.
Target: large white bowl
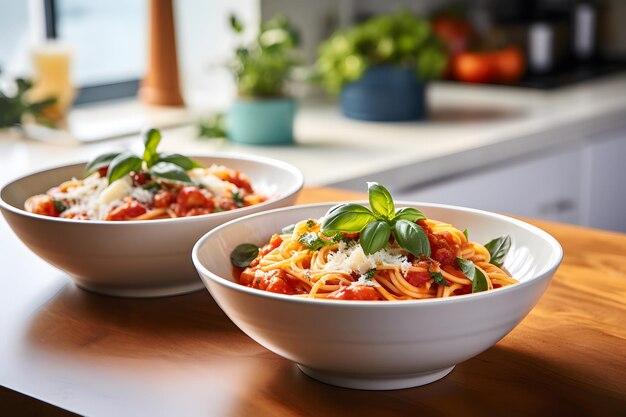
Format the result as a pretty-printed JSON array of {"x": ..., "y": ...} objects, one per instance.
[
  {"x": 379, "y": 345},
  {"x": 135, "y": 258}
]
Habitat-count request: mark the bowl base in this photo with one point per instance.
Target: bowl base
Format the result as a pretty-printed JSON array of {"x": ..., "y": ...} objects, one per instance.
[
  {"x": 379, "y": 382},
  {"x": 165, "y": 291}
]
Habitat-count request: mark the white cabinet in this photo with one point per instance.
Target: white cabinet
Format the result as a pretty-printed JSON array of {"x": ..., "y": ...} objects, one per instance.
[
  {"x": 546, "y": 187},
  {"x": 604, "y": 200}
]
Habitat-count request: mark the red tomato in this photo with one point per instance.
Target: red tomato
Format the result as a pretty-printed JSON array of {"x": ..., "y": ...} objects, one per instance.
[
  {"x": 355, "y": 292},
  {"x": 473, "y": 67},
  {"x": 275, "y": 242},
  {"x": 442, "y": 246},
  {"x": 127, "y": 211},
  {"x": 163, "y": 198},
  {"x": 417, "y": 278},
  {"x": 103, "y": 171},
  {"x": 190, "y": 196},
  {"x": 139, "y": 177},
  {"x": 509, "y": 64},
  {"x": 41, "y": 204},
  {"x": 240, "y": 181}
]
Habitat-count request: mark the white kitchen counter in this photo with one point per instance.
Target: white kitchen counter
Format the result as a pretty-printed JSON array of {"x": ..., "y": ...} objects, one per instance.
[{"x": 470, "y": 127}]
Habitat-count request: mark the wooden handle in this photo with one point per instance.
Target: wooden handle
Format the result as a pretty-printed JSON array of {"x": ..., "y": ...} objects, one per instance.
[{"x": 160, "y": 86}]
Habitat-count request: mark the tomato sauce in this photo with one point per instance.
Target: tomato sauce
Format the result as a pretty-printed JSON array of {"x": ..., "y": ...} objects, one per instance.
[
  {"x": 443, "y": 249},
  {"x": 355, "y": 292}
]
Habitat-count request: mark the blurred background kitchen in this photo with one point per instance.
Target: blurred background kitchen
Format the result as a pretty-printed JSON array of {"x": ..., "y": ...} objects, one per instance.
[{"x": 517, "y": 107}]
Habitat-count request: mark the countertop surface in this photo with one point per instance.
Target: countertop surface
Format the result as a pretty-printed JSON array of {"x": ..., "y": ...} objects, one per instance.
[
  {"x": 469, "y": 126},
  {"x": 64, "y": 350}
]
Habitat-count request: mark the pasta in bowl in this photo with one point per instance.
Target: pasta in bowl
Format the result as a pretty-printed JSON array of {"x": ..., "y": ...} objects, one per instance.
[
  {"x": 374, "y": 343},
  {"x": 132, "y": 257}
]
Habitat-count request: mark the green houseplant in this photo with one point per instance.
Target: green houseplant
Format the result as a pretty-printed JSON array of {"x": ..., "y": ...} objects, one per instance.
[
  {"x": 379, "y": 67},
  {"x": 262, "y": 113}
]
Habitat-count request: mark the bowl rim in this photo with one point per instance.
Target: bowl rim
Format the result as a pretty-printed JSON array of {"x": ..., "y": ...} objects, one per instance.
[
  {"x": 547, "y": 273},
  {"x": 275, "y": 163}
]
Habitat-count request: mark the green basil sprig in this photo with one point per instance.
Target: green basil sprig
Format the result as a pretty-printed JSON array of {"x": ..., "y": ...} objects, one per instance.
[
  {"x": 498, "y": 248},
  {"x": 377, "y": 225},
  {"x": 168, "y": 166},
  {"x": 243, "y": 255},
  {"x": 122, "y": 165},
  {"x": 100, "y": 162},
  {"x": 169, "y": 171},
  {"x": 479, "y": 280}
]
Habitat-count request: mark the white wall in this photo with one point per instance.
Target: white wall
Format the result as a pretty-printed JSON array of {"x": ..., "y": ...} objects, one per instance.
[{"x": 205, "y": 42}]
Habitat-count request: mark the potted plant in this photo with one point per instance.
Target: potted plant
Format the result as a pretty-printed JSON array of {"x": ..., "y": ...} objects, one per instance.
[
  {"x": 262, "y": 113},
  {"x": 380, "y": 67}
]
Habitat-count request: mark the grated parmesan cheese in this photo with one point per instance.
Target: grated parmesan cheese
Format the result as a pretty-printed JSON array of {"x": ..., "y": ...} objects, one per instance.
[
  {"x": 350, "y": 258},
  {"x": 212, "y": 183}
]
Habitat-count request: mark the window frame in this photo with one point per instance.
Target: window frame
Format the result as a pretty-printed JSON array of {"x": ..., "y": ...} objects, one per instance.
[{"x": 95, "y": 92}]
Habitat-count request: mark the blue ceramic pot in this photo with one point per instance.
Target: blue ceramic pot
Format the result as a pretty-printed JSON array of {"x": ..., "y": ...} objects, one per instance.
[
  {"x": 385, "y": 93},
  {"x": 262, "y": 121}
]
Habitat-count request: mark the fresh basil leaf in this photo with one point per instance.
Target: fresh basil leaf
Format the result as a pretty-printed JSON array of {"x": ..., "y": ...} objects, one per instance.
[
  {"x": 411, "y": 237},
  {"x": 375, "y": 236},
  {"x": 99, "y": 162},
  {"x": 288, "y": 229},
  {"x": 410, "y": 214},
  {"x": 59, "y": 207},
  {"x": 122, "y": 165},
  {"x": 467, "y": 267},
  {"x": 237, "y": 198},
  {"x": 498, "y": 248},
  {"x": 348, "y": 218},
  {"x": 438, "y": 278},
  {"x": 480, "y": 281},
  {"x": 151, "y": 140},
  {"x": 244, "y": 254},
  {"x": 370, "y": 274},
  {"x": 180, "y": 160},
  {"x": 170, "y": 172},
  {"x": 466, "y": 234},
  {"x": 380, "y": 200},
  {"x": 313, "y": 241}
]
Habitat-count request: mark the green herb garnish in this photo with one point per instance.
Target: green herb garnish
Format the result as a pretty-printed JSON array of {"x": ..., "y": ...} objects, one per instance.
[
  {"x": 438, "y": 278},
  {"x": 237, "y": 198},
  {"x": 377, "y": 225},
  {"x": 498, "y": 248},
  {"x": 167, "y": 166},
  {"x": 243, "y": 255},
  {"x": 313, "y": 242},
  {"x": 479, "y": 280},
  {"x": 59, "y": 207}
]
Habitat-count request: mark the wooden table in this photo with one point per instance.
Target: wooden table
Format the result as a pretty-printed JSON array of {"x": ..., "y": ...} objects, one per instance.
[{"x": 64, "y": 350}]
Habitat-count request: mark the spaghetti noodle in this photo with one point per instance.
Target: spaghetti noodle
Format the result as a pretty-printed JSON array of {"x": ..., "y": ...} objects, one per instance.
[{"x": 308, "y": 263}]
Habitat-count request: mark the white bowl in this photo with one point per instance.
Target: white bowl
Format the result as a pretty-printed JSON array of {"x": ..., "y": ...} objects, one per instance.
[
  {"x": 147, "y": 258},
  {"x": 379, "y": 345}
]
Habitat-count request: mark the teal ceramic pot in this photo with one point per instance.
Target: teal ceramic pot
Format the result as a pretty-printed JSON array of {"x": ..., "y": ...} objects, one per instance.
[
  {"x": 262, "y": 121},
  {"x": 385, "y": 94}
]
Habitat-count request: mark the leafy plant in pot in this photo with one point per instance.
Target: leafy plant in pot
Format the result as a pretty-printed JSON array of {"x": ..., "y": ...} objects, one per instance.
[
  {"x": 262, "y": 114},
  {"x": 380, "y": 67}
]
